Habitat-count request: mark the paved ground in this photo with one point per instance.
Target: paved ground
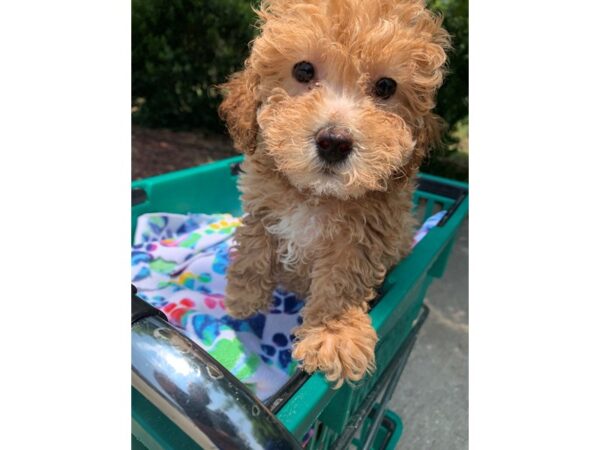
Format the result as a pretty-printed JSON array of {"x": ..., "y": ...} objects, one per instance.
[{"x": 432, "y": 397}]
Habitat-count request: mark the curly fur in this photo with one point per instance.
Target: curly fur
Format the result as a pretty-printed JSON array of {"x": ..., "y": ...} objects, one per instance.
[{"x": 330, "y": 234}]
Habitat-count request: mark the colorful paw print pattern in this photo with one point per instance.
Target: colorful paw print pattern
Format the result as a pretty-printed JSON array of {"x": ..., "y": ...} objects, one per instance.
[{"x": 179, "y": 263}]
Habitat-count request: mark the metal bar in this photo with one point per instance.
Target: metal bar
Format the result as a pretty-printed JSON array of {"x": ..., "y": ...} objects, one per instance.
[
  {"x": 387, "y": 395},
  {"x": 458, "y": 194},
  {"x": 452, "y": 209},
  {"x": 199, "y": 395},
  {"x": 391, "y": 373},
  {"x": 140, "y": 309},
  {"x": 440, "y": 188},
  {"x": 390, "y": 428},
  {"x": 277, "y": 400}
]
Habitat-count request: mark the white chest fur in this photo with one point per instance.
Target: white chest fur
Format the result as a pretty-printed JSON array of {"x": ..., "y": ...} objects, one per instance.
[{"x": 299, "y": 229}]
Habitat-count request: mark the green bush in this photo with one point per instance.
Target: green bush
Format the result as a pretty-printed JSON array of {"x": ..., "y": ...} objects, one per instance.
[
  {"x": 453, "y": 97},
  {"x": 180, "y": 50}
]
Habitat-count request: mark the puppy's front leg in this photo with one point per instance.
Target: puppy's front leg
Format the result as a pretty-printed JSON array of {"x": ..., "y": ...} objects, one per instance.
[
  {"x": 250, "y": 280},
  {"x": 336, "y": 335}
]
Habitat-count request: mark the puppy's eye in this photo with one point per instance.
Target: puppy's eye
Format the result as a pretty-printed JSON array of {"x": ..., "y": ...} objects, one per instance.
[
  {"x": 303, "y": 71},
  {"x": 385, "y": 88}
]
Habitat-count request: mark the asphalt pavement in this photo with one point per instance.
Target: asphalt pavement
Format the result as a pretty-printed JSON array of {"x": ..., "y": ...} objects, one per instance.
[{"x": 432, "y": 396}]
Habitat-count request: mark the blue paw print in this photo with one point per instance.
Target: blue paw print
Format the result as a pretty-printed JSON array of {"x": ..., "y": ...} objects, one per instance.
[
  {"x": 279, "y": 352},
  {"x": 140, "y": 257},
  {"x": 221, "y": 261},
  {"x": 292, "y": 304},
  {"x": 144, "y": 272},
  {"x": 285, "y": 303},
  {"x": 280, "y": 339},
  {"x": 285, "y": 358},
  {"x": 254, "y": 324},
  {"x": 190, "y": 224},
  {"x": 158, "y": 301}
]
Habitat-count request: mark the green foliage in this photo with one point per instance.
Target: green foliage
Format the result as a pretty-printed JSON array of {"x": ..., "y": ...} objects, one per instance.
[
  {"x": 181, "y": 49},
  {"x": 453, "y": 97}
]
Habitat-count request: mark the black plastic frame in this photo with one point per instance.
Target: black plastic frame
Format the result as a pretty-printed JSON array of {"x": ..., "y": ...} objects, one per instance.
[
  {"x": 277, "y": 400},
  {"x": 390, "y": 427},
  {"x": 458, "y": 194},
  {"x": 140, "y": 309},
  {"x": 138, "y": 196}
]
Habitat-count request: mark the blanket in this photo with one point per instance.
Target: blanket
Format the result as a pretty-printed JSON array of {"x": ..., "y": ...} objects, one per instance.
[{"x": 179, "y": 264}]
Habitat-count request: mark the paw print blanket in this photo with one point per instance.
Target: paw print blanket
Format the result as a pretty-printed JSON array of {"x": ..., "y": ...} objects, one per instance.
[{"x": 178, "y": 264}]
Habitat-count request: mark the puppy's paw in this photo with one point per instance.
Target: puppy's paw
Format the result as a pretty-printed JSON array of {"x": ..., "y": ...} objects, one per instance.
[{"x": 344, "y": 349}]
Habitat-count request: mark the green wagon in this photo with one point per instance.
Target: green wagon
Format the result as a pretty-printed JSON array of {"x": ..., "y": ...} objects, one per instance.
[{"x": 206, "y": 407}]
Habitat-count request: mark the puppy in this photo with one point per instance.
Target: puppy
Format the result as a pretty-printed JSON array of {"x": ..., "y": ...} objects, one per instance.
[{"x": 333, "y": 112}]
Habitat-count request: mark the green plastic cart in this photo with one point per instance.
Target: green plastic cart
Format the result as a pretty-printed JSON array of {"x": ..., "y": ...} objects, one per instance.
[{"x": 201, "y": 405}]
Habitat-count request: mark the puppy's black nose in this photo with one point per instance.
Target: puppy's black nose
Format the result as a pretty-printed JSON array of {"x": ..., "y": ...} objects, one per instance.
[{"x": 333, "y": 144}]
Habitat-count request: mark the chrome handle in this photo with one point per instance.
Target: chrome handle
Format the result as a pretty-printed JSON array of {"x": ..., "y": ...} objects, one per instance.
[{"x": 197, "y": 394}]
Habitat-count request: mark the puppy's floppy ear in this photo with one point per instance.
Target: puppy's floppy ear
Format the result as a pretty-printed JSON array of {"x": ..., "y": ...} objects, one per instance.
[
  {"x": 431, "y": 132},
  {"x": 428, "y": 136},
  {"x": 238, "y": 109}
]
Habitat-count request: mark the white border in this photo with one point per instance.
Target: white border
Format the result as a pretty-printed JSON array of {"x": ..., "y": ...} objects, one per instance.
[
  {"x": 65, "y": 151},
  {"x": 534, "y": 166}
]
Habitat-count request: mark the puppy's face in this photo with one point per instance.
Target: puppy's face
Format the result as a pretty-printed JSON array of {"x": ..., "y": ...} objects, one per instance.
[{"x": 338, "y": 93}]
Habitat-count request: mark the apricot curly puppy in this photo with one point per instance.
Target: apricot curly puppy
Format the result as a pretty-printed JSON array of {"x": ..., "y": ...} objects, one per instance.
[{"x": 333, "y": 111}]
